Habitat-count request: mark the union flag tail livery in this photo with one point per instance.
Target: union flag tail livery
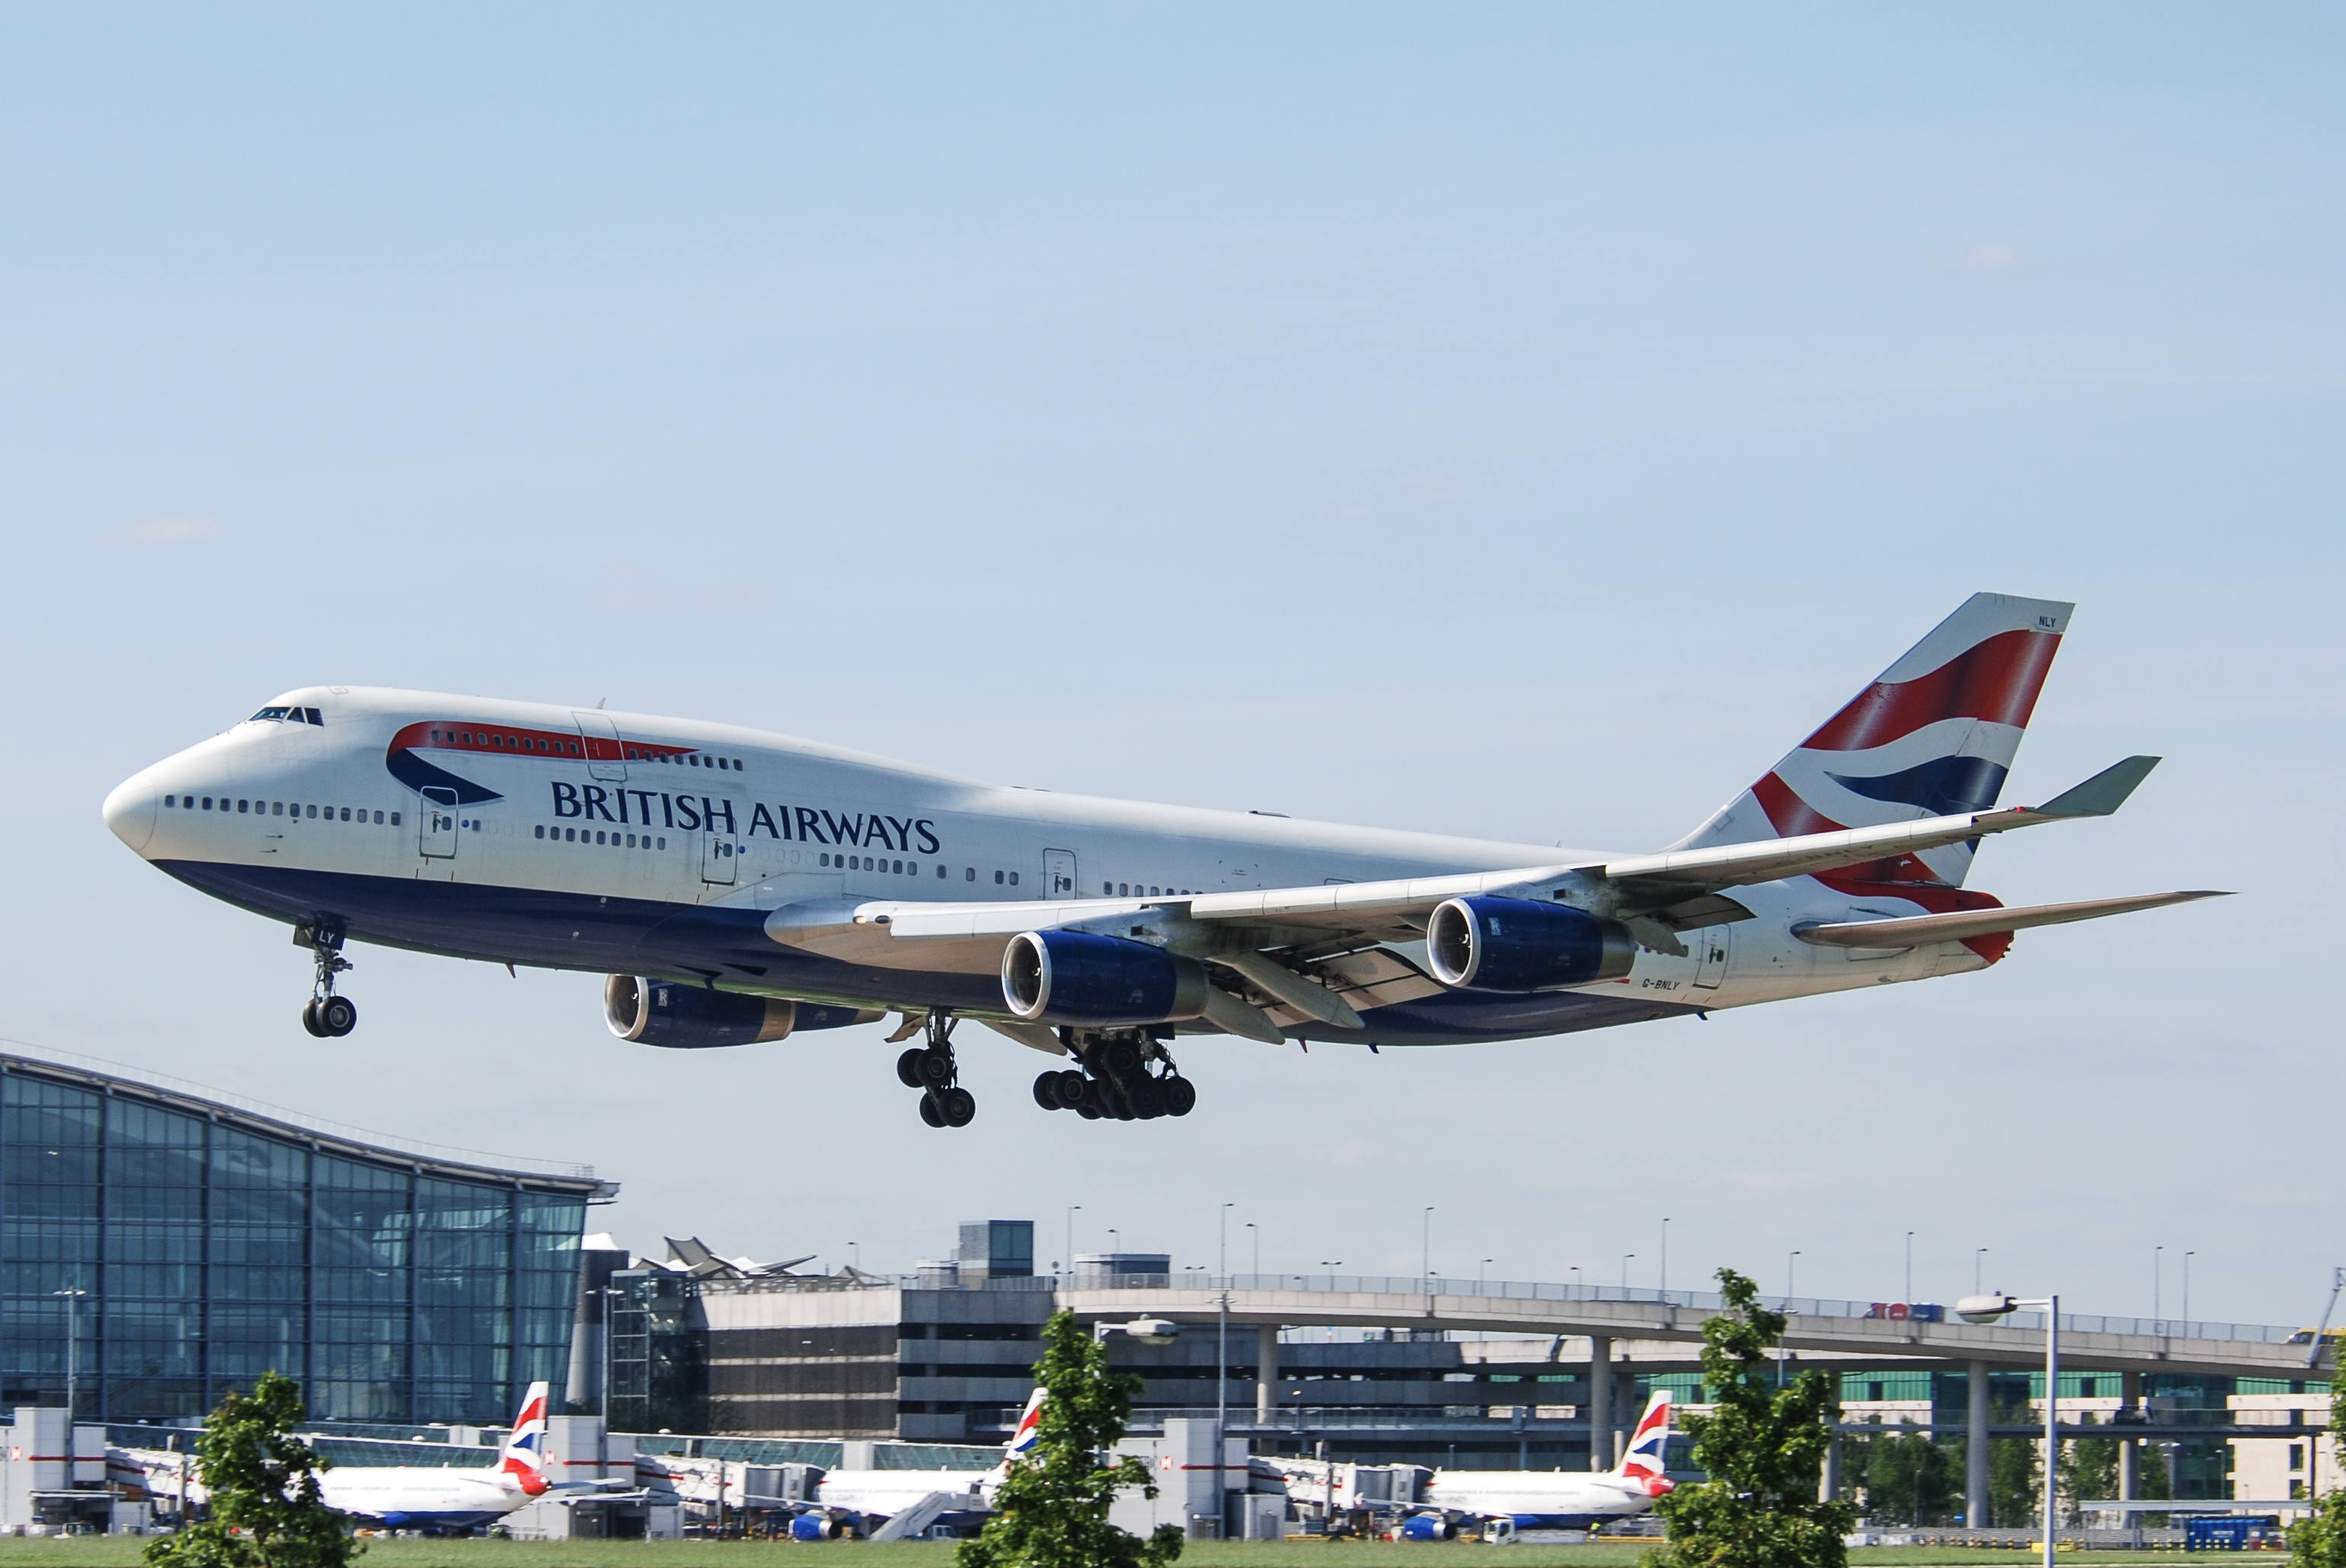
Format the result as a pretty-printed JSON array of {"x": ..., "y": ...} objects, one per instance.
[
  {"x": 524, "y": 1460},
  {"x": 1641, "y": 1463},
  {"x": 1932, "y": 735},
  {"x": 1029, "y": 1427}
]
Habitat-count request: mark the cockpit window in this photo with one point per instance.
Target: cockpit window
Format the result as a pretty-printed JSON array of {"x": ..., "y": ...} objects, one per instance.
[
  {"x": 275, "y": 713},
  {"x": 289, "y": 716}
]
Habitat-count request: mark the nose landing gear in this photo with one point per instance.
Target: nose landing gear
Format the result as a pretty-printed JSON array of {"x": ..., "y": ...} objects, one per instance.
[
  {"x": 325, "y": 1014},
  {"x": 931, "y": 1069}
]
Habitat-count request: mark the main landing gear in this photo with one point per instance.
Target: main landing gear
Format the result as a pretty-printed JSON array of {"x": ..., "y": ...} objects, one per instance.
[
  {"x": 325, "y": 1014},
  {"x": 930, "y": 1069},
  {"x": 1126, "y": 1076}
]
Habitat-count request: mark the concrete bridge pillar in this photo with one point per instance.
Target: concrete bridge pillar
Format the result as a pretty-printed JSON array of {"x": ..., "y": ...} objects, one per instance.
[
  {"x": 2130, "y": 1449},
  {"x": 1600, "y": 1403},
  {"x": 1976, "y": 1503},
  {"x": 1266, "y": 1372}
]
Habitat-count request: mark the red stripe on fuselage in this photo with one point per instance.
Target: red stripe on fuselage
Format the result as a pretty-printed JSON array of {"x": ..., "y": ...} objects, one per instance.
[
  {"x": 512, "y": 740},
  {"x": 1997, "y": 680}
]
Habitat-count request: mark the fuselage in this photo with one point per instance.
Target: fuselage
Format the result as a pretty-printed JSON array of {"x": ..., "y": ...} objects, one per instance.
[
  {"x": 420, "y": 1496},
  {"x": 1558, "y": 1499},
  {"x": 625, "y": 843}
]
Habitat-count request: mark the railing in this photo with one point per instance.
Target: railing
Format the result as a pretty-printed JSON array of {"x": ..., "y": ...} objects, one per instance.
[{"x": 1795, "y": 1307}]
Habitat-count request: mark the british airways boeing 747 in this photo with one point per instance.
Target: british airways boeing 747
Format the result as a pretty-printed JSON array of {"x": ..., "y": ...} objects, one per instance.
[{"x": 737, "y": 886}]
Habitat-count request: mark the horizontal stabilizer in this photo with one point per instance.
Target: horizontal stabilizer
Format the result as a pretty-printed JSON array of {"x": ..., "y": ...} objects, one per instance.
[
  {"x": 2103, "y": 793},
  {"x": 1923, "y": 931}
]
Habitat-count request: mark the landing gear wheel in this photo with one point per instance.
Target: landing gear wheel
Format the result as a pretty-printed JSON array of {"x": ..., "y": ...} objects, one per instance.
[
  {"x": 929, "y": 1112},
  {"x": 1122, "y": 1058},
  {"x": 337, "y": 1016},
  {"x": 310, "y": 1018},
  {"x": 1180, "y": 1095},
  {"x": 1089, "y": 1110},
  {"x": 1072, "y": 1087},
  {"x": 908, "y": 1068},
  {"x": 935, "y": 1065},
  {"x": 958, "y": 1106},
  {"x": 1047, "y": 1091},
  {"x": 327, "y": 1016},
  {"x": 1147, "y": 1099}
]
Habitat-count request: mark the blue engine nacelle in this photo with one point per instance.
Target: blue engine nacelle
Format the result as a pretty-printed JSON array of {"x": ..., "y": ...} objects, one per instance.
[
  {"x": 1074, "y": 977},
  {"x": 1517, "y": 945},
  {"x": 687, "y": 1017},
  {"x": 812, "y": 1527},
  {"x": 1424, "y": 1527}
]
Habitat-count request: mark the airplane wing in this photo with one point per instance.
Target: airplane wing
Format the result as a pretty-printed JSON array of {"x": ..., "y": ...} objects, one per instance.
[{"x": 1335, "y": 931}]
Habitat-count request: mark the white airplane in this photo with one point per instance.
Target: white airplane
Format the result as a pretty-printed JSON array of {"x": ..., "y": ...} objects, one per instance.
[
  {"x": 876, "y": 1495},
  {"x": 1565, "y": 1500},
  {"x": 736, "y": 886},
  {"x": 434, "y": 1497}
]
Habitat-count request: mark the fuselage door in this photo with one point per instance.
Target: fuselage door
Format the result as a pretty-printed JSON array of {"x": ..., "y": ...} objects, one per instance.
[
  {"x": 606, "y": 757},
  {"x": 1059, "y": 873},
  {"x": 1711, "y": 944},
  {"x": 437, "y": 824},
  {"x": 720, "y": 855}
]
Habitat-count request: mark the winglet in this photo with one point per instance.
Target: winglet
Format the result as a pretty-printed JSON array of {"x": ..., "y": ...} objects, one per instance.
[{"x": 2103, "y": 793}]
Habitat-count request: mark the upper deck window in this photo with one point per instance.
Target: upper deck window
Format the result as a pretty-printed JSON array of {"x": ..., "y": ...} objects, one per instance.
[{"x": 276, "y": 713}]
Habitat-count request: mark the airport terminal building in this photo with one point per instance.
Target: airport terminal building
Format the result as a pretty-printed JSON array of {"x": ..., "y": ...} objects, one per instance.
[{"x": 163, "y": 1246}]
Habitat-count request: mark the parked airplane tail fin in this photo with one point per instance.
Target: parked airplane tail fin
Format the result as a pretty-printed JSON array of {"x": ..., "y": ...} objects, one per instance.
[
  {"x": 1641, "y": 1461},
  {"x": 1029, "y": 1427},
  {"x": 1932, "y": 735},
  {"x": 523, "y": 1462}
]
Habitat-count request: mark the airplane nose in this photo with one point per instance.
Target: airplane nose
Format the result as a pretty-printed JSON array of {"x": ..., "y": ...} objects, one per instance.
[{"x": 130, "y": 811}]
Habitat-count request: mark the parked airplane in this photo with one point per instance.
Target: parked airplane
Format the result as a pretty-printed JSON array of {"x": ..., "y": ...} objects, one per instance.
[
  {"x": 431, "y": 1497},
  {"x": 861, "y": 1498},
  {"x": 737, "y": 886},
  {"x": 1565, "y": 1500}
]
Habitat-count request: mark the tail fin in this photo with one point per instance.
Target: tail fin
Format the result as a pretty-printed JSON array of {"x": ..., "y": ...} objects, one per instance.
[
  {"x": 1933, "y": 736},
  {"x": 1029, "y": 1427},
  {"x": 524, "y": 1460},
  {"x": 1641, "y": 1462}
]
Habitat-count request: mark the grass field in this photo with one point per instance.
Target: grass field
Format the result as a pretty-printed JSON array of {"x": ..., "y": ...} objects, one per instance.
[{"x": 123, "y": 1551}]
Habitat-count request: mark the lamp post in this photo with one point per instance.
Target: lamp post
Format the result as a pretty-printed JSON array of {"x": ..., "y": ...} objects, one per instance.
[
  {"x": 1071, "y": 1237},
  {"x": 1222, "y": 1336},
  {"x": 1426, "y": 1260},
  {"x": 73, "y": 1300},
  {"x": 1664, "y": 1275},
  {"x": 1979, "y": 1258},
  {"x": 1624, "y": 1274},
  {"x": 1910, "y": 1267},
  {"x": 1782, "y": 1360},
  {"x": 1257, "y": 1240},
  {"x": 2157, "y": 1312},
  {"x": 2186, "y": 1293},
  {"x": 1987, "y": 1308},
  {"x": 1331, "y": 1266}
]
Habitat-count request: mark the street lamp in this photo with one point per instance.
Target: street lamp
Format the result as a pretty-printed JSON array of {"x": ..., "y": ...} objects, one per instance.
[
  {"x": 1665, "y": 1274},
  {"x": 1979, "y": 1257},
  {"x": 611, "y": 1295},
  {"x": 1071, "y": 1236},
  {"x": 73, "y": 1300},
  {"x": 1332, "y": 1267},
  {"x": 1624, "y": 1274},
  {"x": 1222, "y": 1331},
  {"x": 1988, "y": 1309},
  {"x": 1257, "y": 1240},
  {"x": 1910, "y": 1267},
  {"x": 2186, "y": 1293},
  {"x": 1426, "y": 1260}
]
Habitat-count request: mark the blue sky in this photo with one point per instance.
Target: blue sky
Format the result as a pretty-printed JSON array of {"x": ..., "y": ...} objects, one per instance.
[{"x": 1520, "y": 420}]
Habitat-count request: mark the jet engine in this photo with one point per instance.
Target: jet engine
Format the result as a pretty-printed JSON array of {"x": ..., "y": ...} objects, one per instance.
[
  {"x": 686, "y": 1017},
  {"x": 1516, "y": 945},
  {"x": 1074, "y": 977}
]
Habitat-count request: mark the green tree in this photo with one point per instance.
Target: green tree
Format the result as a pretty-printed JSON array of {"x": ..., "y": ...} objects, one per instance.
[
  {"x": 265, "y": 1510},
  {"x": 2016, "y": 1490},
  {"x": 1911, "y": 1479},
  {"x": 2089, "y": 1468},
  {"x": 1052, "y": 1509},
  {"x": 1764, "y": 1448}
]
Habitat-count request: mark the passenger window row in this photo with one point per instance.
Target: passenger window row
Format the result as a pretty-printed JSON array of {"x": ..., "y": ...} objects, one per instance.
[
  {"x": 1134, "y": 891},
  {"x": 276, "y": 809},
  {"x": 507, "y": 742},
  {"x": 580, "y": 836},
  {"x": 899, "y": 868},
  {"x": 687, "y": 760}
]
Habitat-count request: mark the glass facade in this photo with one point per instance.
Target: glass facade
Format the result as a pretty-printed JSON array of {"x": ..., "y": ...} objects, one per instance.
[{"x": 175, "y": 1251}]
